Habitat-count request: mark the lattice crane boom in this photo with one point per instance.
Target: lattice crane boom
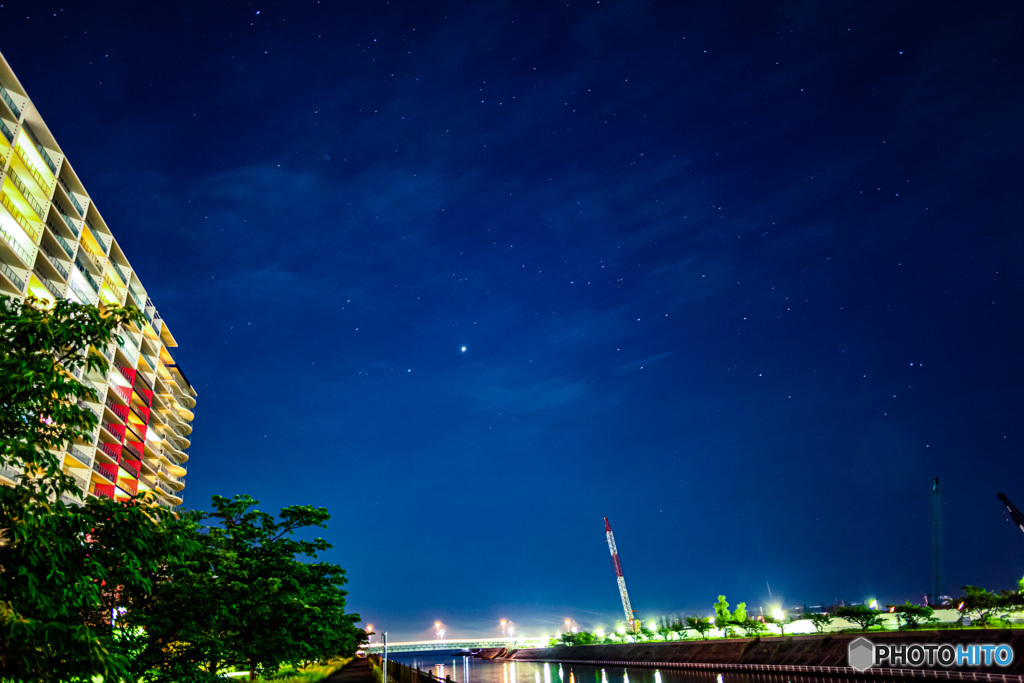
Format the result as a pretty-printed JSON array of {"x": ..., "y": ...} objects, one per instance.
[
  {"x": 630, "y": 621},
  {"x": 1015, "y": 514}
]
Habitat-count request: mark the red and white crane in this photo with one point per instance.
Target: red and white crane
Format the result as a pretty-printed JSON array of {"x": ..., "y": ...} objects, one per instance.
[{"x": 630, "y": 620}]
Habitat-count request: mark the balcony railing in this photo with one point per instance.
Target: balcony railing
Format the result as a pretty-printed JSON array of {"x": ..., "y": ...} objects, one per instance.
[
  {"x": 9, "y": 238},
  {"x": 42, "y": 151},
  {"x": 9, "y": 272},
  {"x": 80, "y": 454},
  {"x": 109, "y": 450},
  {"x": 79, "y": 292},
  {"x": 100, "y": 493},
  {"x": 18, "y": 216},
  {"x": 32, "y": 169},
  {"x": 67, "y": 219},
  {"x": 46, "y": 283},
  {"x": 10, "y": 472},
  {"x": 8, "y": 133},
  {"x": 167, "y": 489},
  {"x": 133, "y": 449},
  {"x": 135, "y": 297},
  {"x": 74, "y": 202},
  {"x": 55, "y": 261},
  {"x": 120, "y": 272},
  {"x": 25, "y": 192},
  {"x": 68, "y": 249},
  {"x": 84, "y": 270},
  {"x": 105, "y": 471},
  {"x": 10, "y": 102}
]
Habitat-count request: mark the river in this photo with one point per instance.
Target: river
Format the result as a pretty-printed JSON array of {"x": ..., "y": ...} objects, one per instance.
[{"x": 469, "y": 670}]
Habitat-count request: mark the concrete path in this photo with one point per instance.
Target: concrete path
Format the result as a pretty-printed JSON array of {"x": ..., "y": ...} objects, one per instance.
[{"x": 356, "y": 671}]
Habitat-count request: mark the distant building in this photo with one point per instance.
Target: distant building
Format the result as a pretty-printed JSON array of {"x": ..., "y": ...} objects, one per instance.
[{"x": 55, "y": 244}]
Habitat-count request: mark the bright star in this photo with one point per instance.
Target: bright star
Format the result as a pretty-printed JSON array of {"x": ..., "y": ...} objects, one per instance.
[{"x": 464, "y": 349}]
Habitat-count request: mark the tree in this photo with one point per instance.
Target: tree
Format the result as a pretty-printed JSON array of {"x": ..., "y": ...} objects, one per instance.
[
  {"x": 722, "y": 615},
  {"x": 983, "y": 603},
  {"x": 252, "y": 601},
  {"x": 1020, "y": 585},
  {"x": 573, "y": 638},
  {"x": 701, "y": 625},
  {"x": 911, "y": 616},
  {"x": 64, "y": 567},
  {"x": 739, "y": 615},
  {"x": 820, "y": 620},
  {"x": 752, "y": 627},
  {"x": 41, "y": 407},
  {"x": 864, "y": 617}
]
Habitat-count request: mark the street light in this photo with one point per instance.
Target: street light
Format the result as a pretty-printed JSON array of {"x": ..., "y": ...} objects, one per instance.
[
  {"x": 438, "y": 630},
  {"x": 369, "y": 634}
]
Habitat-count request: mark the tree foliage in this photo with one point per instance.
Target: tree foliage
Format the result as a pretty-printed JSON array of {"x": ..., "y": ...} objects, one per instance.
[
  {"x": 820, "y": 620},
  {"x": 865, "y": 617},
  {"x": 40, "y": 400},
  {"x": 911, "y": 616},
  {"x": 701, "y": 625},
  {"x": 123, "y": 589}
]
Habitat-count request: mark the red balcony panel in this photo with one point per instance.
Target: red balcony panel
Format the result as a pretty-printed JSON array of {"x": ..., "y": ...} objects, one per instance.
[
  {"x": 116, "y": 430},
  {"x": 141, "y": 410},
  {"x": 119, "y": 410},
  {"x": 133, "y": 466},
  {"x": 124, "y": 392},
  {"x": 134, "y": 448},
  {"x": 104, "y": 490},
  {"x": 103, "y": 468},
  {"x": 111, "y": 449},
  {"x": 128, "y": 374},
  {"x": 146, "y": 395}
]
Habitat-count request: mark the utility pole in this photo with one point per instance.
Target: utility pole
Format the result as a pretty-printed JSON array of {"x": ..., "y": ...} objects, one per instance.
[
  {"x": 936, "y": 542},
  {"x": 384, "y": 658}
]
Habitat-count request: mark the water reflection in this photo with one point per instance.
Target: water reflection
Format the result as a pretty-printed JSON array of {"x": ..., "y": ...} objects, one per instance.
[{"x": 469, "y": 670}]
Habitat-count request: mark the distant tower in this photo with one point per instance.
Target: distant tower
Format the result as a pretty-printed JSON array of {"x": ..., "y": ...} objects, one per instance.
[
  {"x": 936, "y": 542},
  {"x": 630, "y": 621}
]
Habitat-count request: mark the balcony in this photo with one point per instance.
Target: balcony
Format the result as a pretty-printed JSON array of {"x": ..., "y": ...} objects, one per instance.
[
  {"x": 71, "y": 196},
  {"x": 114, "y": 451},
  {"x": 11, "y": 473},
  {"x": 9, "y": 272},
  {"x": 67, "y": 219},
  {"x": 101, "y": 492},
  {"x": 42, "y": 151},
  {"x": 18, "y": 249},
  {"x": 54, "y": 261},
  {"x": 84, "y": 270},
  {"x": 8, "y": 133},
  {"x": 78, "y": 292},
  {"x": 117, "y": 431},
  {"x": 117, "y": 268},
  {"x": 26, "y": 192},
  {"x": 50, "y": 287},
  {"x": 30, "y": 229},
  {"x": 10, "y": 102},
  {"x": 80, "y": 455},
  {"x": 108, "y": 472},
  {"x": 134, "y": 448}
]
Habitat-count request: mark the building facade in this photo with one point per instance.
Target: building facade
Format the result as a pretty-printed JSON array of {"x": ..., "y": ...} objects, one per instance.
[{"x": 55, "y": 244}]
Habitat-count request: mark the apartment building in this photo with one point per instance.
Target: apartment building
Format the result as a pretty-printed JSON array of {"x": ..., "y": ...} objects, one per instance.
[{"x": 55, "y": 244}]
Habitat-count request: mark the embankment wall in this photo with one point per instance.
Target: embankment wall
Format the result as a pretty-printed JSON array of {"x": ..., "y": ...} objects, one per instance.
[{"x": 826, "y": 650}]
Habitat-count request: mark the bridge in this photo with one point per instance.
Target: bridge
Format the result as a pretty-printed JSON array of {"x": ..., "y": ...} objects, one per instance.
[{"x": 455, "y": 644}]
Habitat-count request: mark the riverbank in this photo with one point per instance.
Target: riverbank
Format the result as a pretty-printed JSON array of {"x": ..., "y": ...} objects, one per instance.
[{"x": 781, "y": 653}]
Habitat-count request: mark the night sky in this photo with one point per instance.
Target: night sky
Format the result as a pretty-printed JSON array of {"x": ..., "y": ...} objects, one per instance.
[{"x": 742, "y": 278}]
